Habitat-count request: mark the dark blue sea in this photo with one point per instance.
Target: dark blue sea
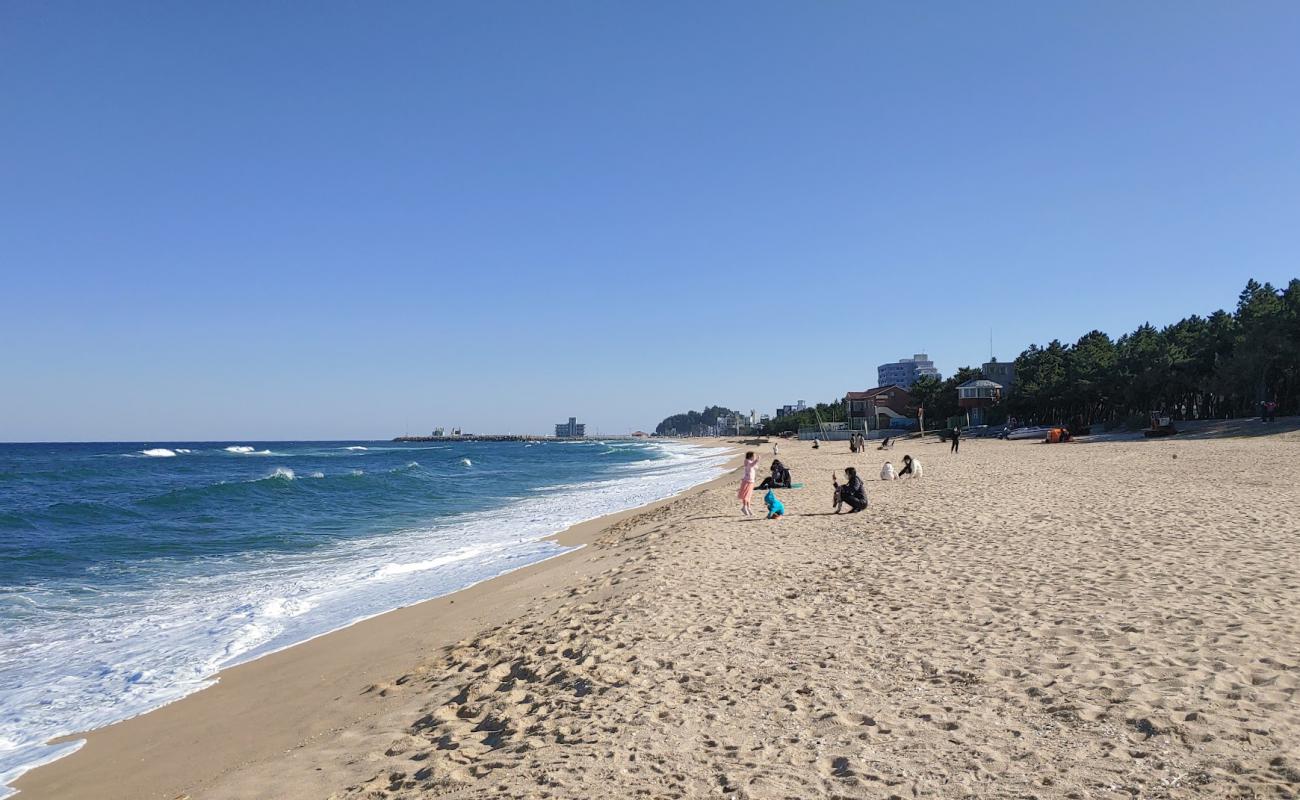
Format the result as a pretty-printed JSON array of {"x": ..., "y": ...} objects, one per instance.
[{"x": 131, "y": 573}]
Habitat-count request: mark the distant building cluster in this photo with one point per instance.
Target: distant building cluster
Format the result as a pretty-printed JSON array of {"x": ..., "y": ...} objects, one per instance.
[
  {"x": 890, "y": 407},
  {"x": 905, "y": 371},
  {"x": 571, "y": 429},
  {"x": 787, "y": 410}
]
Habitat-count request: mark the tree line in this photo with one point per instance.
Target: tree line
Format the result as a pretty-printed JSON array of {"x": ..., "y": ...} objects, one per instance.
[
  {"x": 692, "y": 423},
  {"x": 1223, "y": 365}
]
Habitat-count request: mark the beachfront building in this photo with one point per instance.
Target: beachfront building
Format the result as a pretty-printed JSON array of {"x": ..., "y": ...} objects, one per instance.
[
  {"x": 571, "y": 429},
  {"x": 885, "y": 407},
  {"x": 730, "y": 425},
  {"x": 787, "y": 410},
  {"x": 974, "y": 396},
  {"x": 905, "y": 371},
  {"x": 1000, "y": 372}
]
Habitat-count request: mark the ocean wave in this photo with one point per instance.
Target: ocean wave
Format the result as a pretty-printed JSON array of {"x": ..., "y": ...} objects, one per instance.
[
  {"x": 279, "y": 607},
  {"x": 240, "y": 448},
  {"x": 155, "y": 643},
  {"x": 393, "y": 570},
  {"x": 467, "y": 462},
  {"x": 356, "y": 447},
  {"x": 158, "y": 452}
]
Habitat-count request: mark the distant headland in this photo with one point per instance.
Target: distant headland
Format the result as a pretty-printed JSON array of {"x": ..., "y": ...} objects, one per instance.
[{"x": 511, "y": 437}]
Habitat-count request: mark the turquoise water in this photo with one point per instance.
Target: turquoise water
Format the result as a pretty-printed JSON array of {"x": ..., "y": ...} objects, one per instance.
[{"x": 131, "y": 573}]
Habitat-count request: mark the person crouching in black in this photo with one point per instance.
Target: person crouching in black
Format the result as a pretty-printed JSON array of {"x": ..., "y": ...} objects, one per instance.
[
  {"x": 779, "y": 479},
  {"x": 853, "y": 493}
]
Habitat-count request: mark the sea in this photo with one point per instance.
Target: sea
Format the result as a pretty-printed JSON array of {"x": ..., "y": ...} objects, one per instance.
[{"x": 131, "y": 573}]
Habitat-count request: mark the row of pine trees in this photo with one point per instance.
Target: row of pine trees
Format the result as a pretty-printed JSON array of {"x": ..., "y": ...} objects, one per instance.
[{"x": 1222, "y": 365}]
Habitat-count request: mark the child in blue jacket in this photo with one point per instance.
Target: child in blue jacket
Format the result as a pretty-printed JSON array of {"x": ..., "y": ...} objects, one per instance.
[{"x": 775, "y": 509}]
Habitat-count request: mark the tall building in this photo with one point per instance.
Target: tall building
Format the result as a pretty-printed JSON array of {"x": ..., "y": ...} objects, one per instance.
[
  {"x": 571, "y": 429},
  {"x": 905, "y": 371}
]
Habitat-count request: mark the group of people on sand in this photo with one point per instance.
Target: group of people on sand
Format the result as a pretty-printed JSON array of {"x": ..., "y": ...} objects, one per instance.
[
  {"x": 780, "y": 476},
  {"x": 852, "y": 493}
]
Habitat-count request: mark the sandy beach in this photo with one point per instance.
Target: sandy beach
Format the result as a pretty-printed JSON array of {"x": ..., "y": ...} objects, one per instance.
[{"x": 1110, "y": 619}]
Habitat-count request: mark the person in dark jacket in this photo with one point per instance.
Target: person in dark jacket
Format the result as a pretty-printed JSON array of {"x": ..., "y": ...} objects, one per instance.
[
  {"x": 779, "y": 479},
  {"x": 956, "y": 439},
  {"x": 853, "y": 493}
]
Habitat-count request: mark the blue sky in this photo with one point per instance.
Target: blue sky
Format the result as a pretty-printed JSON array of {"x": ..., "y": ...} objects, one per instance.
[{"x": 278, "y": 220}]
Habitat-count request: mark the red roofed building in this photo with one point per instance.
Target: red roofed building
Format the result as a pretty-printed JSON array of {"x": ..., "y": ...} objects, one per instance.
[{"x": 879, "y": 407}]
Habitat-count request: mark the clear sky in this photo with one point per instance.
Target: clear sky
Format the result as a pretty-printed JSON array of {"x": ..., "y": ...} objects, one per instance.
[{"x": 317, "y": 220}]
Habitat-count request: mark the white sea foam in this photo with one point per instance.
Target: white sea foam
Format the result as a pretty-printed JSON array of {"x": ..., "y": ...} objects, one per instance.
[
  {"x": 391, "y": 570},
  {"x": 357, "y": 447},
  {"x": 467, "y": 462},
  {"x": 158, "y": 452},
  {"x": 282, "y": 473},
  {"x": 183, "y": 451},
  {"x": 318, "y": 474},
  {"x": 155, "y": 644},
  {"x": 240, "y": 448}
]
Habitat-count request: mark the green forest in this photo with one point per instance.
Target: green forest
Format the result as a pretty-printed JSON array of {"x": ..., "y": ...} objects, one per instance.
[
  {"x": 692, "y": 423},
  {"x": 1222, "y": 365}
]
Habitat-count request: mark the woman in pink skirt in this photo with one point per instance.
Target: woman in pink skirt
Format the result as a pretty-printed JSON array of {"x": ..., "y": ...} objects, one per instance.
[{"x": 746, "y": 492}]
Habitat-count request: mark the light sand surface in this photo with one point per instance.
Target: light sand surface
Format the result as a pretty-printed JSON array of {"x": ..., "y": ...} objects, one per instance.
[
  {"x": 308, "y": 712},
  {"x": 1088, "y": 620}
]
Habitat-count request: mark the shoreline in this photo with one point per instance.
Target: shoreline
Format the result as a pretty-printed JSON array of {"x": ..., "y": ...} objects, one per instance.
[
  {"x": 1023, "y": 620},
  {"x": 237, "y": 692}
]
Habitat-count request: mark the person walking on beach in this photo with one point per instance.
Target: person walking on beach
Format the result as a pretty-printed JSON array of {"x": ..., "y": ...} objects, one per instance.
[
  {"x": 956, "y": 439},
  {"x": 746, "y": 492}
]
